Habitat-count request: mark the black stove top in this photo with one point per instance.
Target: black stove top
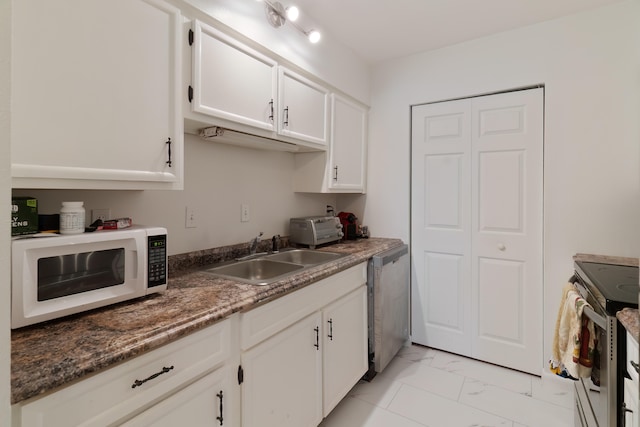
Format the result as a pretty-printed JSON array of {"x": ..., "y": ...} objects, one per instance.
[{"x": 617, "y": 284}]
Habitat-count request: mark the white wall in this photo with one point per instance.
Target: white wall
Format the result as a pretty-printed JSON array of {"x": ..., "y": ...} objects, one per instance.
[
  {"x": 5, "y": 186},
  {"x": 218, "y": 179},
  {"x": 590, "y": 66}
]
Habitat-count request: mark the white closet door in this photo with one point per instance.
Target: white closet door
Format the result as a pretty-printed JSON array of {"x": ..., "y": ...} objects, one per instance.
[
  {"x": 440, "y": 226},
  {"x": 506, "y": 264},
  {"x": 476, "y": 222}
]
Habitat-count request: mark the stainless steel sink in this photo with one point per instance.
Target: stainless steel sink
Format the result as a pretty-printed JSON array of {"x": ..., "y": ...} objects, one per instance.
[
  {"x": 306, "y": 257},
  {"x": 257, "y": 271},
  {"x": 267, "y": 269}
]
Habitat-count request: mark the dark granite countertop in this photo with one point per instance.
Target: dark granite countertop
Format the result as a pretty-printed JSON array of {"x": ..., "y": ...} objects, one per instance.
[
  {"x": 49, "y": 355},
  {"x": 606, "y": 259},
  {"x": 630, "y": 319}
]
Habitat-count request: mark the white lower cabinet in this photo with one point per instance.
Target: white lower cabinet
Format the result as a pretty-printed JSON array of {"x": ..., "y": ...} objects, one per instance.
[
  {"x": 210, "y": 401},
  {"x": 159, "y": 380},
  {"x": 345, "y": 346},
  {"x": 297, "y": 375},
  {"x": 282, "y": 378}
]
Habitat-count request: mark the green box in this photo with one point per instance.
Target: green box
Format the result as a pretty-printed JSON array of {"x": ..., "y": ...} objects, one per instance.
[{"x": 24, "y": 216}]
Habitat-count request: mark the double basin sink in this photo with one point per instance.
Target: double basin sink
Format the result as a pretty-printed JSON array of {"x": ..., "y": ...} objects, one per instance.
[{"x": 266, "y": 269}]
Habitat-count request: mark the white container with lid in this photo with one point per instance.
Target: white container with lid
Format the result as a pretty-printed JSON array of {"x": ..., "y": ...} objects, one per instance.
[{"x": 72, "y": 216}]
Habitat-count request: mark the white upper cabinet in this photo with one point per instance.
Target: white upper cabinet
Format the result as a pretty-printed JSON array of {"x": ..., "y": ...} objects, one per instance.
[
  {"x": 343, "y": 168},
  {"x": 232, "y": 81},
  {"x": 348, "y": 145},
  {"x": 238, "y": 87},
  {"x": 95, "y": 100},
  {"x": 304, "y": 108}
]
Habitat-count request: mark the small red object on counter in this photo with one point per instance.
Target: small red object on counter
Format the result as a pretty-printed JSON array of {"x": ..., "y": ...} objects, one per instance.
[{"x": 116, "y": 224}]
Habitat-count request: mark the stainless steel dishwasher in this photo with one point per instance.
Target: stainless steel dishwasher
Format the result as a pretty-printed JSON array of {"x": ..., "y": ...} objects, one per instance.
[{"x": 388, "y": 310}]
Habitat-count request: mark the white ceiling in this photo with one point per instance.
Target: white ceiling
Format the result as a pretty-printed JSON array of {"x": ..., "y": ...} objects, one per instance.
[{"x": 378, "y": 30}]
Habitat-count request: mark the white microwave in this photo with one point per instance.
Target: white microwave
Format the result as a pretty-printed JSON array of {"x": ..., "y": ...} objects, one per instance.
[{"x": 60, "y": 275}]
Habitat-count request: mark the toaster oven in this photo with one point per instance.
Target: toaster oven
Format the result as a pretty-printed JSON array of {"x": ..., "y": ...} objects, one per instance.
[{"x": 315, "y": 230}]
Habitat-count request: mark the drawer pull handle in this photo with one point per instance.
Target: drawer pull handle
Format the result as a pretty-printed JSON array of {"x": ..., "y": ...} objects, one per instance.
[
  {"x": 220, "y": 397},
  {"x": 271, "y": 110},
  {"x": 168, "y": 162},
  {"x": 138, "y": 383},
  {"x": 635, "y": 366},
  {"x": 317, "y": 344},
  {"x": 330, "y": 336}
]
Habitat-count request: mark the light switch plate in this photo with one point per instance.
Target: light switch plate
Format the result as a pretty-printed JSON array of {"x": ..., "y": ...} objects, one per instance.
[
  {"x": 190, "y": 218},
  {"x": 244, "y": 213}
]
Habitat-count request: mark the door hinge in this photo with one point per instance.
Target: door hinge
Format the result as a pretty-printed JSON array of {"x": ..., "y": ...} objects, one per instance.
[
  {"x": 190, "y": 94},
  {"x": 240, "y": 375},
  {"x": 190, "y": 37}
]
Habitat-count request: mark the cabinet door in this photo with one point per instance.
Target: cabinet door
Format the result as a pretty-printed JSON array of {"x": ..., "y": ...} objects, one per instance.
[
  {"x": 303, "y": 108},
  {"x": 232, "y": 81},
  {"x": 95, "y": 94},
  {"x": 345, "y": 346},
  {"x": 210, "y": 401},
  {"x": 348, "y": 145},
  {"x": 283, "y": 378}
]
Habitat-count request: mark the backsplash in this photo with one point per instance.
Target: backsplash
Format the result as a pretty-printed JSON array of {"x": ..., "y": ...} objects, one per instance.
[{"x": 201, "y": 258}]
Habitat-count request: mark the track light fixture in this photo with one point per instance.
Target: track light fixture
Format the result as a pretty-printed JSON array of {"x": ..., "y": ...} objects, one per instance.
[{"x": 277, "y": 16}]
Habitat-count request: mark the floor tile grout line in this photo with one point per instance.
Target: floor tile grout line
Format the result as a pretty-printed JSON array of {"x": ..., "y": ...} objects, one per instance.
[
  {"x": 428, "y": 356},
  {"x": 456, "y": 401},
  {"x": 386, "y": 409}
]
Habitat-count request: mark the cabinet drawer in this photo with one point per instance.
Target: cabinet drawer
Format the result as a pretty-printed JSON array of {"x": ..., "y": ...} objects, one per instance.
[
  {"x": 117, "y": 393},
  {"x": 267, "y": 320},
  {"x": 633, "y": 355}
]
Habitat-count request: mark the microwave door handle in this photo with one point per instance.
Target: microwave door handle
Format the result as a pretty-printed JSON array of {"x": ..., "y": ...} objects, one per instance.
[
  {"x": 135, "y": 263},
  {"x": 597, "y": 319}
]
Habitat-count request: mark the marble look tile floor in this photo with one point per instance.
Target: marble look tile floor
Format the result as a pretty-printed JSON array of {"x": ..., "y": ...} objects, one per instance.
[{"x": 427, "y": 387}]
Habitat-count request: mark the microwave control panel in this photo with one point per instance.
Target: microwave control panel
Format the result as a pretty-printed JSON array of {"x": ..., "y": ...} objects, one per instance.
[{"x": 157, "y": 266}]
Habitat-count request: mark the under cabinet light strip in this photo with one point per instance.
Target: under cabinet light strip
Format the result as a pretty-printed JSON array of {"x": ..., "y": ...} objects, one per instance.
[{"x": 219, "y": 134}]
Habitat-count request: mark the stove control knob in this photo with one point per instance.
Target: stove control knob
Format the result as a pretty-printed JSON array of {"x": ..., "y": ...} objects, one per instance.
[{"x": 502, "y": 247}]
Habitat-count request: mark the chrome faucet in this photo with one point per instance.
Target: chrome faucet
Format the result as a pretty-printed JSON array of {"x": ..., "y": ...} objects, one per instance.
[{"x": 253, "y": 245}]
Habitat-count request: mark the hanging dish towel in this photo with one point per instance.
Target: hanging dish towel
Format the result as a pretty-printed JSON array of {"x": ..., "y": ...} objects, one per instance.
[{"x": 574, "y": 338}]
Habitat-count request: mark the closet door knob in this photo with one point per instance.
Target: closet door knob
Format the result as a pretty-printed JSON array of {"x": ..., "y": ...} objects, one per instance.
[{"x": 502, "y": 247}]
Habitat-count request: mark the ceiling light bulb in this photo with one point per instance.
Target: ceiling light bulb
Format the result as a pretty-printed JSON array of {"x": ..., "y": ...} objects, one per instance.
[
  {"x": 293, "y": 13},
  {"x": 314, "y": 36}
]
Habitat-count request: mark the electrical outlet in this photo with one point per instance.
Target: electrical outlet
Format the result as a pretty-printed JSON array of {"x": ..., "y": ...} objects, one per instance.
[
  {"x": 189, "y": 218},
  {"x": 244, "y": 213},
  {"x": 103, "y": 214}
]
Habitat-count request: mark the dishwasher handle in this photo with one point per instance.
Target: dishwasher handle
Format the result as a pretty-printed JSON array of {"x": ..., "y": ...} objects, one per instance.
[{"x": 389, "y": 256}]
